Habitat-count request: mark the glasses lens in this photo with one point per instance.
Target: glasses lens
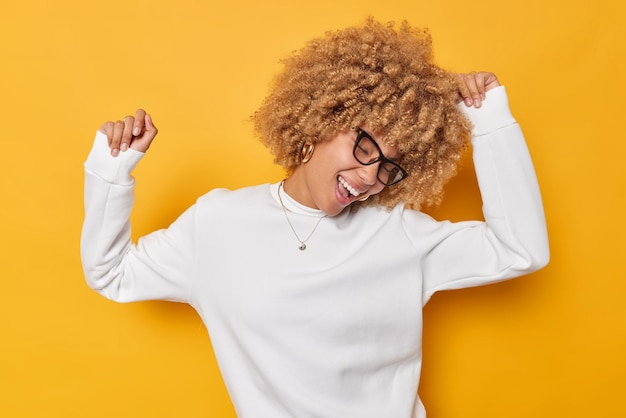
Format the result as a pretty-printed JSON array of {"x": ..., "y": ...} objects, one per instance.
[
  {"x": 390, "y": 173},
  {"x": 365, "y": 150}
]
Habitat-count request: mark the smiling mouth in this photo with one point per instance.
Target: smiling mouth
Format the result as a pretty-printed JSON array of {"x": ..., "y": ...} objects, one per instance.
[{"x": 349, "y": 189}]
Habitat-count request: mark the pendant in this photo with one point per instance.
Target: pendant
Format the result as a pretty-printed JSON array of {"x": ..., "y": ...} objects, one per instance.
[{"x": 302, "y": 246}]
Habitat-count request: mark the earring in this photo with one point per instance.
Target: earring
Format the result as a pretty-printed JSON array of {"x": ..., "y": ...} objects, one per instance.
[{"x": 307, "y": 152}]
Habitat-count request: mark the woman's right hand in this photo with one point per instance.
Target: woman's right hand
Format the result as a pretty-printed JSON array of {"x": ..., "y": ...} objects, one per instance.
[
  {"x": 136, "y": 132},
  {"x": 474, "y": 86}
]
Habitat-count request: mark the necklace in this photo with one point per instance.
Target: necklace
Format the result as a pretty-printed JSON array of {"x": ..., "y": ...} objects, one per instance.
[{"x": 302, "y": 242}]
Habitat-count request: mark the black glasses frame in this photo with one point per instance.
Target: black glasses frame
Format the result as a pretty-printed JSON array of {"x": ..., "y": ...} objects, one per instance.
[{"x": 361, "y": 134}]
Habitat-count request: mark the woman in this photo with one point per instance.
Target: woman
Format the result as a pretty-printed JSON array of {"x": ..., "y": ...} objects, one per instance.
[{"x": 312, "y": 289}]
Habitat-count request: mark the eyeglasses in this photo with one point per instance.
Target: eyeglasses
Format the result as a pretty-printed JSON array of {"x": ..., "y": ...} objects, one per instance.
[{"x": 367, "y": 152}]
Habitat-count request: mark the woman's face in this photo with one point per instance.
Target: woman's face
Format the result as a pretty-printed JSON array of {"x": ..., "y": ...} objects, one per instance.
[{"x": 333, "y": 179}]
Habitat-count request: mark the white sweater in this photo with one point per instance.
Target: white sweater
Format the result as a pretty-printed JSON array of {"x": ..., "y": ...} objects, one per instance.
[{"x": 335, "y": 330}]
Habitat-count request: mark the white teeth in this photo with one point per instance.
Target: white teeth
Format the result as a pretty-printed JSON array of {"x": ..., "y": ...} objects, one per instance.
[{"x": 348, "y": 187}]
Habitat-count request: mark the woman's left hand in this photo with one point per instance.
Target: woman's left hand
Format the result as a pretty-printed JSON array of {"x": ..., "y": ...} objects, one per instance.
[{"x": 474, "y": 85}]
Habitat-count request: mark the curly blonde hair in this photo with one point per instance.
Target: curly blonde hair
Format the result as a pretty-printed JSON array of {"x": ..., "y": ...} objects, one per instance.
[{"x": 377, "y": 76}]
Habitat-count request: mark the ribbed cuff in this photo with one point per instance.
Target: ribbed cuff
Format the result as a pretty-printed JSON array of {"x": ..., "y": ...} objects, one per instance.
[{"x": 494, "y": 113}]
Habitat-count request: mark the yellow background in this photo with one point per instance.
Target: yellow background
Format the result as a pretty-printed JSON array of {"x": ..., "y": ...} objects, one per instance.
[{"x": 551, "y": 344}]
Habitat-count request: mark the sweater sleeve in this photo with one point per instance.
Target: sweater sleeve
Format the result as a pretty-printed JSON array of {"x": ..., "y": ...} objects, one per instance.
[
  {"x": 512, "y": 240},
  {"x": 159, "y": 266}
]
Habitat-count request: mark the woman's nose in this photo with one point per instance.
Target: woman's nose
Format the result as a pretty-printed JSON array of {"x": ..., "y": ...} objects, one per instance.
[{"x": 369, "y": 173}]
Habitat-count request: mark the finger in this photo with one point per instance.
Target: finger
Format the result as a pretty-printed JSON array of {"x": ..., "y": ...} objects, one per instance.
[
  {"x": 127, "y": 133},
  {"x": 469, "y": 89},
  {"x": 116, "y": 138},
  {"x": 138, "y": 126},
  {"x": 142, "y": 143},
  {"x": 480, "y": 84},
  {"x": 150, "y": 126},
  {"x": 107, "y": 129},
  {"x": 472, "y": 86}
]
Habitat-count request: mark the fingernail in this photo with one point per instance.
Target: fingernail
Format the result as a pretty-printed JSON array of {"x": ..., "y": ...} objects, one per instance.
[
  {"x": 468, "y": 101},
  {"x": 115, "y": 152},
  {"x": 124, "y": 147},
  {"x": 136, "y": 131}
]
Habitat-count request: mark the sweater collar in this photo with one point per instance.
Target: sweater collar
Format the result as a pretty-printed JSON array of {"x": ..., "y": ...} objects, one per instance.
[{"x": 295, "y": 207}]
